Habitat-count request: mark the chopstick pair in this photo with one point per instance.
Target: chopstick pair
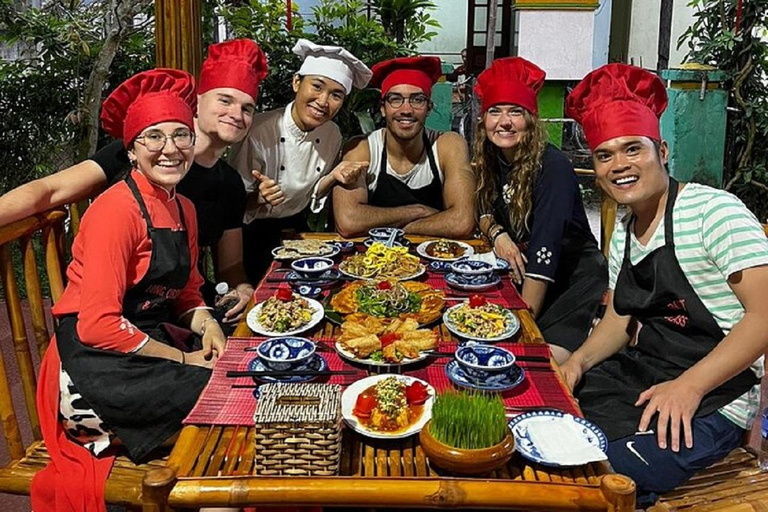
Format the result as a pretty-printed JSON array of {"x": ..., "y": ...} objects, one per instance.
[
  {"x": 525, "y": 359},
  {"x": 302, "y": 373}
]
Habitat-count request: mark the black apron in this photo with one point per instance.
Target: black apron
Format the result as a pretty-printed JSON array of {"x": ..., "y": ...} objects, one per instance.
[
  {"x": 391, "y": 192},
  {"x": 677, "y": 332},
  {"x": 141, "y": 399},
  {"x": 263, "y": 235},
  {"x": 571, "y": 302}
]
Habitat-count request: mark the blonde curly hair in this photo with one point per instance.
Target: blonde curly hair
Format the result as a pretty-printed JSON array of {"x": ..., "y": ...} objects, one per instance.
[{"x": 525, "y": 164}]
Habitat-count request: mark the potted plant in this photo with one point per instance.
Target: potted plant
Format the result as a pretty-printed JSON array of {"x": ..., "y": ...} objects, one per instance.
[{"x": 468, "y": 433}]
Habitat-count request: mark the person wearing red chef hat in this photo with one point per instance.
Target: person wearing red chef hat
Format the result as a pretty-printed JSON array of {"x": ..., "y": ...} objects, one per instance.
[
  {"x": 418, "y": 179},
  {"x": 687, "y": 264},
  {"x": 112, "y": 373},
  {"x": 228, "y": 89},
  {"x": 528, "y": 196}
]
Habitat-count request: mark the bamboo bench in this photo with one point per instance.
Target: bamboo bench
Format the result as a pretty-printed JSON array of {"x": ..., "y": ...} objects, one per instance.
[{"x": 128, "y": 485}]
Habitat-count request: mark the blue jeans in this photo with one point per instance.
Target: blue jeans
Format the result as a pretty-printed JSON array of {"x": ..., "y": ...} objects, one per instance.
[{"x": 657, "y": 471}]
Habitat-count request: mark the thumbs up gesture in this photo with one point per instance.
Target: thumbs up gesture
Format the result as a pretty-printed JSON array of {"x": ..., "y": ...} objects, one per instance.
[{"x": 269, "y": 189}]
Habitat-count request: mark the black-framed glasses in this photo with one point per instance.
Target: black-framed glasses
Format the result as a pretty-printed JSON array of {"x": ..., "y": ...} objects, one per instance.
[
  {"x": 414, "y": 100},
  {"x": 156, "y": 140}
]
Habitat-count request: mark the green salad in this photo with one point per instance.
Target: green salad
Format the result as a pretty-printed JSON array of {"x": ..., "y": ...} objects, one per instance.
[{"x": 387, "y": 300}]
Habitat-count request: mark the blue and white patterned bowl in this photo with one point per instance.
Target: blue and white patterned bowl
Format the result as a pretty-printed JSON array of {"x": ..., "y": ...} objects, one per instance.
[
  {"x": 314, "y": 266},
  {"x": 481, "y": 362},
  {"x": 470, "y": 283},
  {"x": 497, "y": 384},
  {"x": 465, "y": 267},
  {"x": 383, "y": 234},
  {"x": 286, "y": 353},
  {"x": 306, "y": 290},
  {"x": 344, "y": 246},
  {"x": 502, "y": 266}
]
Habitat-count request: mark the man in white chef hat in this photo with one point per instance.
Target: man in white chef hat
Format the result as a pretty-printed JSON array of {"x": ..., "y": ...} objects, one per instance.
[{"x": 287, "y": 160}]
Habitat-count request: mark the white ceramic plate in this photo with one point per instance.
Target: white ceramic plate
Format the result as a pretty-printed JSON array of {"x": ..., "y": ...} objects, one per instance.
[
  {"x": 416, "y": 274},
  {"x": 514, "y": 325},
  {"x": 333, "y": 251},
  {"x": 349, "y": 398},
  {"x": 422, "y": 250},
  {"x": 253, "y": 320},
  {"x": 574, "y": 441},
  {"x": 346, "y": 354}
]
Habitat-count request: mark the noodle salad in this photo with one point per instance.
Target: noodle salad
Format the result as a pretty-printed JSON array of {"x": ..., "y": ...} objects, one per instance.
[{"x": 382, "y": 261}]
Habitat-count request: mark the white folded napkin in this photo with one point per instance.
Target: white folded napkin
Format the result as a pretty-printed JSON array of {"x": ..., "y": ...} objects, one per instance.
[{"x": 563, "y": 441}]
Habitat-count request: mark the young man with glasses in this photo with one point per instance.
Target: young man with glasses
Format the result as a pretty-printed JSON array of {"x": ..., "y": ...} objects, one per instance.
[
  {"x": 228, "y": 87},
  {"x": 417, "y": 179}
]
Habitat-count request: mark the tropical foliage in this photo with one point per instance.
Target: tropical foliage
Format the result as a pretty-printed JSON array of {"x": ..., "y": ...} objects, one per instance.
[{"x": 733, "y": 36}]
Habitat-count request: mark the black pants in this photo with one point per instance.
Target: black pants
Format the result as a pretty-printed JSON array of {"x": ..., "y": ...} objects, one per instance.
[{"x": 263, "y": 235}]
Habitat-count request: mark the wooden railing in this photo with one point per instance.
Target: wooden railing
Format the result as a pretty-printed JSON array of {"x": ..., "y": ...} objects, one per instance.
[{"x": 21, "y": 234}]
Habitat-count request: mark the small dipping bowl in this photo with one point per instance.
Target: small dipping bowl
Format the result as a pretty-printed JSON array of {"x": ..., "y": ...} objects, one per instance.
[
  {"x": 481, "y": 362},
  {"x": 306, "y": 290},
  {"x": 344, "y": 246},
  {"x": 383, "y": 234},
  {"x": 312, "y": 267},
  {"x": 472, "y": 268},
  {"x": 286, "y": 353}
]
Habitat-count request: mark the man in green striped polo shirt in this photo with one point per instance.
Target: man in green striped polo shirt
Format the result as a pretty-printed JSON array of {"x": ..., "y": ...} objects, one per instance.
[{"x": 671, "y": 373}]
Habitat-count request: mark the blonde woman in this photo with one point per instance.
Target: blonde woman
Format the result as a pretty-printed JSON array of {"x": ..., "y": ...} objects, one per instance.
[{"x": 530, "y": 207}]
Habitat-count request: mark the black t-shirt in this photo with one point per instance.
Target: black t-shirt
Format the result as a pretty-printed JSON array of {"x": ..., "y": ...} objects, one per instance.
[
  {"x": 558, "y": 223},
  {"x": 217, "y": 192}
]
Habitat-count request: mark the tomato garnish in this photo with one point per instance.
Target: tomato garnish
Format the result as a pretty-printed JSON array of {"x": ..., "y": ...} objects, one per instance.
[
  {"x": 388, "y": 338},
  {"x": 384, "y": 285},
  {"x": 416, "y": 393},
  {"x": 476, "y": 301},
  {"x": 364, "y": 405},
  {"x": 284, "y": 294}
]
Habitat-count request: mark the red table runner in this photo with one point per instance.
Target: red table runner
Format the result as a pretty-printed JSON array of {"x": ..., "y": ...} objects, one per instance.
[
  {"x": 220, "y": 404},
  {"x": 541, "y": 387}
]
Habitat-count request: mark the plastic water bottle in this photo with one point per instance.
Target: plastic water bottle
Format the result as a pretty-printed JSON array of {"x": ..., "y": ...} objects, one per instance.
[
  {"x": 763, "y": 454},
  {"x": 219, "y": 310}
]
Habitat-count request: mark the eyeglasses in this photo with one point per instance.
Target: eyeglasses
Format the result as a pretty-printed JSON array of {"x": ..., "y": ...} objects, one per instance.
[
  {"x": 155, "y": 141},
  {"x": 414, "y": 100}
]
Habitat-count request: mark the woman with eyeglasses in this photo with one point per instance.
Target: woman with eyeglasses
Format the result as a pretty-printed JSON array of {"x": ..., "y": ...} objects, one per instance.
[
  {"x": 119, "y": 370},
  {"x": 530, "y": 207}
]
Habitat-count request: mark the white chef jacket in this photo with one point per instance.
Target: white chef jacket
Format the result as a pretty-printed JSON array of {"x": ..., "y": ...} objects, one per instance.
[{"x": 297, "y": 160}]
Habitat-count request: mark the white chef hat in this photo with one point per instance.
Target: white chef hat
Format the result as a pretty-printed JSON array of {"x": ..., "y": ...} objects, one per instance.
[{"x": 332, "y": 62}]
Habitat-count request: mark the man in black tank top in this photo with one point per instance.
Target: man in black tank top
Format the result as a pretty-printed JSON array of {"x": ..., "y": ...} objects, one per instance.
[{"x": 418, "y": 180}]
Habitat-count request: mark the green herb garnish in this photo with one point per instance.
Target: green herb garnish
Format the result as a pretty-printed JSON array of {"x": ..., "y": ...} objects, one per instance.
[
  {"x": 468, "y": 420},
  {"x": 389, "y": 303}
]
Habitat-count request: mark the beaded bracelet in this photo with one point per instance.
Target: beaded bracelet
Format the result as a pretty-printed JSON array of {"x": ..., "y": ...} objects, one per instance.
[{"x": 202, "y": 325}]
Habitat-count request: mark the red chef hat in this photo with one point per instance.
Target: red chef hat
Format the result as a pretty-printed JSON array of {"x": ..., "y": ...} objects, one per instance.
[
  {"x": 617, "y": 100},
  {"x": 147, "y": 98},
  {"x": 239, "y": 64},
  {"x": 421, "y": 72},
  {"x": 510, "y": 80}
]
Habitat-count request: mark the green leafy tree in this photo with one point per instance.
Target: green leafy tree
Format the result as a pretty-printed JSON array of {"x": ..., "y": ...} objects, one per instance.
[
  {"x": 737, "y": 43},
  {"x": 343, "y": 23},
  {"x": 406, "y": 20}
]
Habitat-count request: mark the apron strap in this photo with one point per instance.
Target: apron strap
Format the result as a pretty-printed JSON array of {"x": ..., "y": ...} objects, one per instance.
[
  {"x": 427, "y": 147},
  {"x": 143, "y": 207},
  {"x": 668, "y": 221}
]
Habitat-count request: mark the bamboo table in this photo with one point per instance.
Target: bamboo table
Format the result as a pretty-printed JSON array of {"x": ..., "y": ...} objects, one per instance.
[{"x": 213, "y": 466}]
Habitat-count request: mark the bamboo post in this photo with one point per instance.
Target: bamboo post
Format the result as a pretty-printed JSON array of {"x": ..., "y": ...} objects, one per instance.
[
  {"x": 155, "y": 487},
  {"x": 7, "y": 413},
  {"x": 53, "y": 263},
  {"x": 608, "y": 208},
  {"x": 178, "y": 35},
  {"x": 34, "y": 295},
  {"x": 619, "y": 492}
]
